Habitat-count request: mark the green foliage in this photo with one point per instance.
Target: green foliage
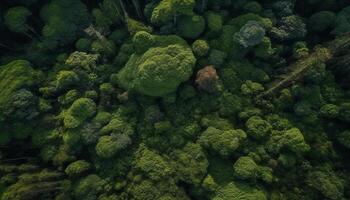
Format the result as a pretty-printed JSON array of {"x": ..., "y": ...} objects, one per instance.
[
  {"x": 344, "y": 139},
  {"x": 16, "y": 19},
  {"x": 108, "y": 146},
  {"x": 239, "y": 191},
  {"x": 83, "y": 44},
  {"x": 167, "y": 9},
  {"x": 14, "y": 76},
  {"x": 257, "y": 127},
  {"x": 251, "y": 88},
  {"x": 79, "y": 111},
  {"x": 174, "y": 99},
  {"x": 135, "y": 26},
  {"x": 289, "y": 28},
  {"x": 223, "y": 142},
  {"x": 89, "y": 187},
  {"x": 342, "y": 22},
  {"x": 36, "y": 185},
  {"x": 344, "y": 112},
  {"x": 170, "y": 60},
  {"x": 217, "y": 58},
  {"x": 142, "y": 41},
  {"x": 65, "y": 79},
  {"x": 330, "y": 111},
  {"x": 190, "y": 26},
  {"x": 82, "y": 60},
  {"x": 321, "y": 21},
  {"x": 63, "y": 24},
  {"x": 264, "y": 50},
  {"x": 101, "y": 20},
  {"x": 77, "y": 168},
  {"x": 253, "y": 7},
  {"x": 327, "y": 182},
  {"x": 148, "y": 190},
  {"x": 245, "y": 168},
  {"x": 291, "y": 140},
  {"x": 152, "y": 164},
  {"x": 200, "y": 48},
  {"x": 103, "y": 47},
  {"x": 250, "y": 34},
  {"x": 214, "y": 22},
  {"x": 190, "y": 163},
  {"x": 300, "y": 50}
]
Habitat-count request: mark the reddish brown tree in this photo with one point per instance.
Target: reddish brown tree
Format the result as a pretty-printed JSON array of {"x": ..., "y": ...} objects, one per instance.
[{"x": 207, "y": 78}]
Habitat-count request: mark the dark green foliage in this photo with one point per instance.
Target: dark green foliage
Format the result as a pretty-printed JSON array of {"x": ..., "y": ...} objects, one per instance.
[
  {"x": 89, "y": 187},
  {"x": 257, "y": 127},
  {"x": 342, "y": 21},
  {"x": 327, "y": 182},
  {"x": 289, "y": 28},
  {"x": 190, "y": 26},
  {"x": 15, "y": 76},
  {"x": 344, "y": 139},
  {"x": 214, "y": 22},
  {"x": 321, "y": 21},
  {"x": 62, "y": 22},
  {"x": 174, "y": 100},
  {"x": 16, "y": 19}
]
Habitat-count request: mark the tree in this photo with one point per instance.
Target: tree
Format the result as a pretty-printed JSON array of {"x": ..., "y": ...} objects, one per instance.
[
  {"x": 166, "y": 10},
  {"x": 251, "y": 34},
  {"x": 291, "y": 140},
  {"x": 66, "y": 79},
  {"x": 79, "y": 111},
  {"x": 344, "y": 138},
  {"x": 23, "y": 105},
  {"x": 321, "y": 21},
  {"x": 190, "y": 164},
  {"x": 342, "y": 21},
  {"x": 89, "y": 187},
  {"x": 16, "y": 20},
  {"x": 257, "y": 127},
  {"x": 190, "y": 26},
  {"x": 169, "y": 59},
  {"x": 63, "y": 24},
  {"x": 152, "y": 164},
  {"x": 77, "y": 168},
  {"x": 245, "y": 168},
  {"x": 15, "y": 76},
  {"x": 326, "y": 182},
  {"x": 239, "y": 191},
  {"x": 200, "y": 48},
  {"x": 108, "y": 146},
  {"x": 223, "y": 142},
  {"x": 207, "y": 79},
  {"x": 82, "y": 60},
  {"x": 289, "y": 28}
]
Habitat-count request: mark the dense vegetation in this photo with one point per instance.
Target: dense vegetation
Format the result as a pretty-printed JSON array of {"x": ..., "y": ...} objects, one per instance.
[{"x": 174, "y": 99}]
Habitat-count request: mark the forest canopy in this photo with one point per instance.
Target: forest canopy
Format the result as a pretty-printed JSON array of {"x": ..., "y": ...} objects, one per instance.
[{"x": 174, "y": 100}]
